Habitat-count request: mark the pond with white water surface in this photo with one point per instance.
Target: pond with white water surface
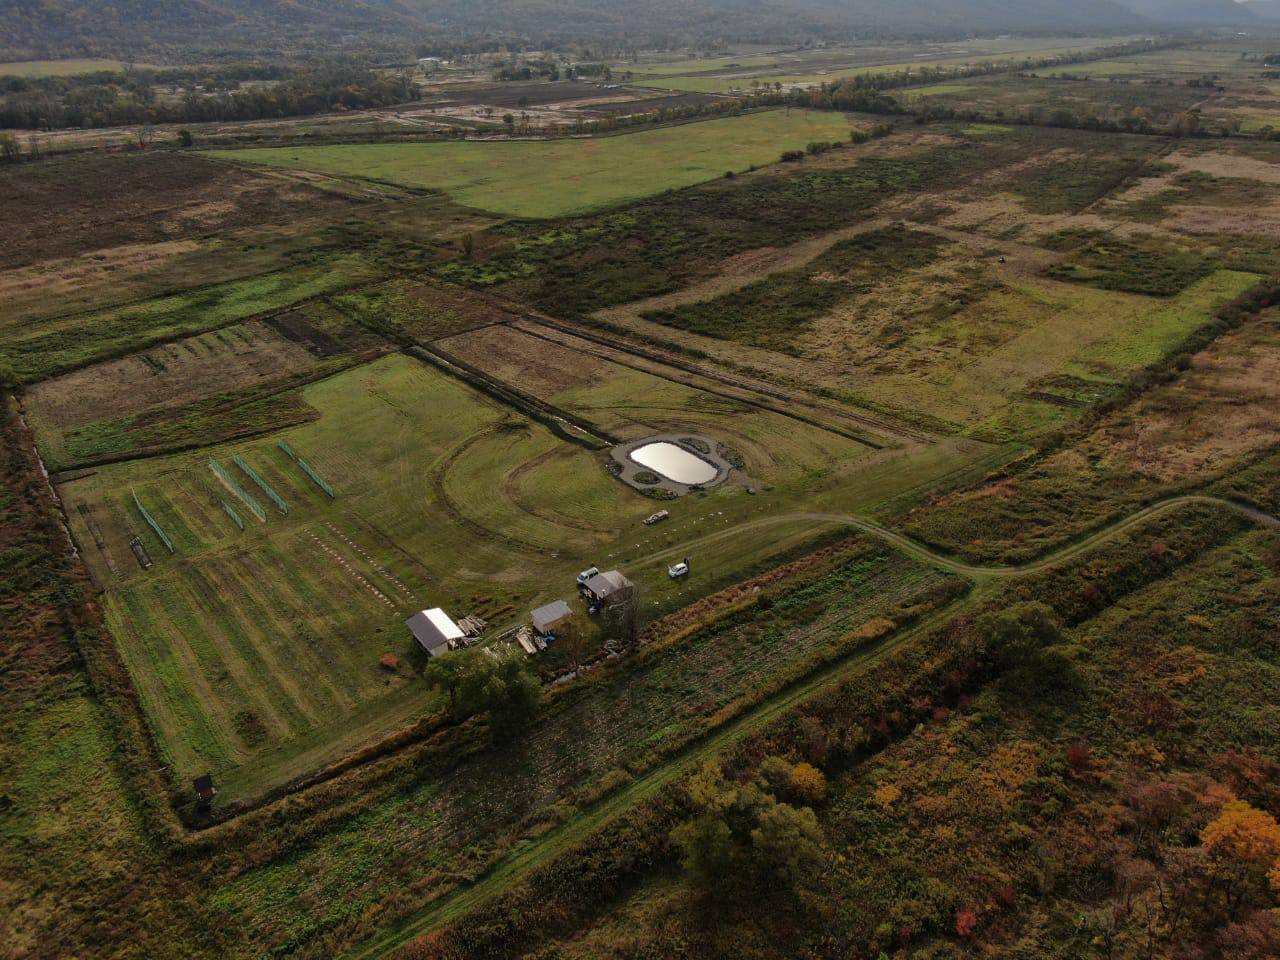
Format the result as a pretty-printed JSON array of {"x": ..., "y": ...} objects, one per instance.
[{"x": 674, "y": 463}]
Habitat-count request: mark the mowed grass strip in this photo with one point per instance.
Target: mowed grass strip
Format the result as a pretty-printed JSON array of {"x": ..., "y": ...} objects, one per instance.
[
  {"x": 1130, "y": 347},
  {"x": 230, "y": 665},
  {"x": 176, "y": 700},
  {"x": 560, "y": 177},
  {"x": 1041, "y": 328},
  {"x": 299, "y": 673},
  {"x": 328, "y": 638}
]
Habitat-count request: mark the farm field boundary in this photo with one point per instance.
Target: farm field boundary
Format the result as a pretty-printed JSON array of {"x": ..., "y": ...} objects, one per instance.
[
  {"x": 613, "y": 347},
  {"x": 757, "y": 397},
  {"x": 550, "y": 416}
]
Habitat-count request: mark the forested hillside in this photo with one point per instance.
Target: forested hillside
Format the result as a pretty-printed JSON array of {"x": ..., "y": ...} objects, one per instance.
[
  {"x": 45, "y": 27},
  {"x": 1196, "y": 12}
]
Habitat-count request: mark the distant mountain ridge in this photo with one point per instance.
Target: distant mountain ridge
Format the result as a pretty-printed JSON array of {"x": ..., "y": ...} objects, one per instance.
[
  {"x": 119, "y": 25},
  {"x": 1195, "y": 13},
  {"x": 1268, "y": 11}
]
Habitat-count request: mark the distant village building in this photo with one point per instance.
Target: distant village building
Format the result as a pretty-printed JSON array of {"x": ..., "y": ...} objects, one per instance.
[
  {"x": 548, "y": 619},
  {"x": 434, "y": 631},
  {"x": 608, "y": 588}
]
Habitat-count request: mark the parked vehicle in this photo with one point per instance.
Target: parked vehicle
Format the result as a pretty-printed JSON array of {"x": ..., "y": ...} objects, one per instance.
[
  {"x": 587, "y": 574},
  {"x": 679, "y": 570},
  {"x": 657, "y": 517}
]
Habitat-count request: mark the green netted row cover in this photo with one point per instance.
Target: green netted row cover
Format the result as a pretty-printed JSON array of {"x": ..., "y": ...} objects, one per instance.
[
  {"x": 306, "y": 468},
  {"x": 151, "y": 521},
  {"x": 262, "y": 484},
  {"x": 238, "y": 490},
  {"x": 233, "y": 515}
]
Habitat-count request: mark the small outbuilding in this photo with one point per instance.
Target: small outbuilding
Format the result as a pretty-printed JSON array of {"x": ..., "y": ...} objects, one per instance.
[
  {"x": 549, "y": 618},
  {"x": 434, "y": 631},
  {"x": 606, "y": 589}
]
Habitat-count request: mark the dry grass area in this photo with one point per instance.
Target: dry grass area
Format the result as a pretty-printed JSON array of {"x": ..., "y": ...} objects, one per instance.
[
  {"x": 533, "y": 365},
  {"x": 58, "y": 279},
  {"x": 1223, "y": 409},
  {"x": 72, "y": 205},
  {"x": 737, "y": 271},
  {"x": 424, "y": 310},
  {"x": 1002, "y": 215},
  {"x": 957, "y": 297},
  {"x": 180, "y": 371},
  {"x": 1205, "y": 191},
  {"x": 1227, "y": 163}
]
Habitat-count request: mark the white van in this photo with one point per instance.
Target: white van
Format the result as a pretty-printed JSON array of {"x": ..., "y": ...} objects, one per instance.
[{"x": 587, "y": 574}]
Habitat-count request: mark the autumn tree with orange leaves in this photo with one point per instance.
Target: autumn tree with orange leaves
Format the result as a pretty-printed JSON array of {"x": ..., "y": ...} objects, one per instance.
[{"x": 1243, "y": 844}]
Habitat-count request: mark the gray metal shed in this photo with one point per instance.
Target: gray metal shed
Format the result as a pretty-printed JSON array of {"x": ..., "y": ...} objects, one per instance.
[
  {"x": 433, "y": 630},
  {"x": 546, "y": 619},
  {"x": 608, "y": 587}
]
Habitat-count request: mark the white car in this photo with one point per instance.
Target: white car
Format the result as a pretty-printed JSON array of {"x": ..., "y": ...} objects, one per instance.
[
  {"x": 679, "y": 570},
  {"x": 587, "y": 574}
]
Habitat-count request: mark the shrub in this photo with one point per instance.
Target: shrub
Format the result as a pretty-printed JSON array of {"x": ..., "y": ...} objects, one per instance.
[{"x": 808, "y": 784}]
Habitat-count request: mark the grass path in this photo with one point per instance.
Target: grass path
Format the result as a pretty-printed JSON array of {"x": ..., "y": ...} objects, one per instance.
[
  {"x": 464, "y": 899},
  {"x": 920, "y": 551}
]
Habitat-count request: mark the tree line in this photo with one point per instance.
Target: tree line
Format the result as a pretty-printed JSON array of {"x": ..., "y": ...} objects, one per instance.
[
  {"x": 110, "y": 99},
  {"x": 848, "y": 93},
  {"x": 867, "y": 93}
]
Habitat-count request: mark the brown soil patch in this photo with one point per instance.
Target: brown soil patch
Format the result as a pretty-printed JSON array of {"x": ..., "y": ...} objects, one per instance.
[
  {"x": 179, "y": 372},
  {"x": 1254, "y": 222},
  {"x": 69, "y": 205},
  {"x": 1227, "y": 406},
  {"x": 58, "y": 277},
  {"x": 526, "y": 362},
  {"x": 879, "y": 331},
  {"x": 1000, "y": 217},
  {"x": 1223, "y": 163},
  {"x": 428, "y": 311}
]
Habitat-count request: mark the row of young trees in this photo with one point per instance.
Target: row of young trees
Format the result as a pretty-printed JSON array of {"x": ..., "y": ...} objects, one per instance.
[{"x": 142, "y": 97}]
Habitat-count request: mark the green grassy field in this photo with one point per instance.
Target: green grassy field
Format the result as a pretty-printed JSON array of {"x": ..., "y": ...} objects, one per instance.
[
  {"x": 743, "y": 79},
  {"x": 1178, "y": 63},
  {"x": 561, "y": 177},
  {"x": 443, "y": 498},
  {"x": 720, "y": 74},
  {"x": 66, "y": 68},
  {"x": 1037, "y": 333}
]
